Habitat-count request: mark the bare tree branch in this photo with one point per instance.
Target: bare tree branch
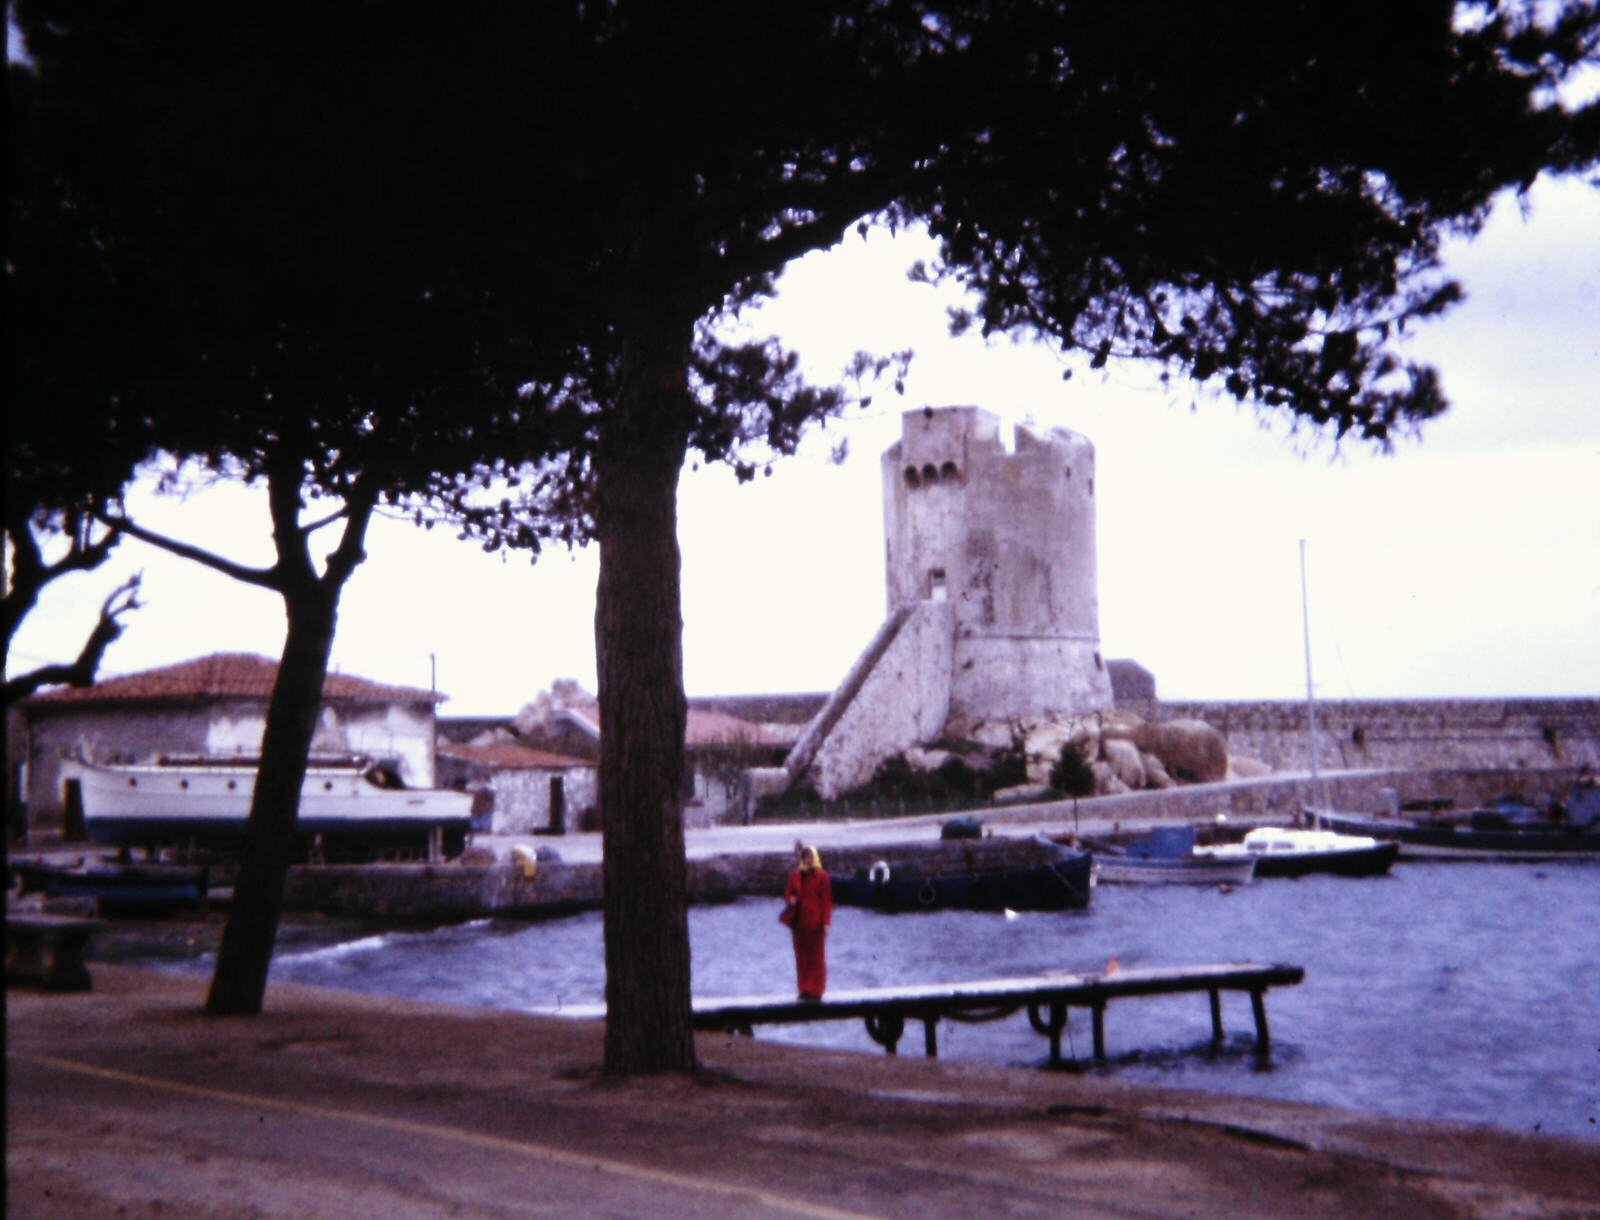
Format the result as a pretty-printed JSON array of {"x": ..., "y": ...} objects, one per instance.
[
  {"x": 267, "y": 578},
  {"x": 82, "y": 671},
  {"x": 30, "y": 573}
]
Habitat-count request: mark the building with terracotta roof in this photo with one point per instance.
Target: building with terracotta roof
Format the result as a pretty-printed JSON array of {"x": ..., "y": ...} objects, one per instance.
[
  {"x": 214, "y": 707},
  {"x": 519, "y": 789},
  {"x": 720, "y": 747}
]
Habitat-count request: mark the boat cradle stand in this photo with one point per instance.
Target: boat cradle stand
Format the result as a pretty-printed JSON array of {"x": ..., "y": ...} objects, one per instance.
[
  {"x": 48, "y": 950},
  {"x": 885, "y": 1010}
]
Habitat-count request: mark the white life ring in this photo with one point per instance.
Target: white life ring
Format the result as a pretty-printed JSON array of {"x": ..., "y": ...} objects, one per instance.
[{"x": 878, "y": 874}]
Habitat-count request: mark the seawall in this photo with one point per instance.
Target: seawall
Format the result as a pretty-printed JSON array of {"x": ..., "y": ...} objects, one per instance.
[
  {"x": 445, "y": 893},
  {"x": 1483, "y": 734},
  {"x": 453, "y": 892}
]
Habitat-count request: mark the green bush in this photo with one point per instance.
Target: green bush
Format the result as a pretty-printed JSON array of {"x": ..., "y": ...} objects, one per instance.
[{"x": 1072, "y": 776}]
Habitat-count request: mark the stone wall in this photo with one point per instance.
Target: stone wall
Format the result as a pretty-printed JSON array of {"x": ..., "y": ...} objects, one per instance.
[
  {"x": 1278, "y": 798},
  {"x": 896, "y": 696},
  {"x": 522, "y": 798},
  {"x": 443, "y": 893},
  {"x": 1496, "y": 734}
]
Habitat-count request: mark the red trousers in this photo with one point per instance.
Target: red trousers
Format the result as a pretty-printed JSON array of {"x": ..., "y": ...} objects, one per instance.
[{"x": 810, "y": 963}]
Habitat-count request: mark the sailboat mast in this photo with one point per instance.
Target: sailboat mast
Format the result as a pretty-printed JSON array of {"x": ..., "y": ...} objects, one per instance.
[{"x": 1311, "y": 700}]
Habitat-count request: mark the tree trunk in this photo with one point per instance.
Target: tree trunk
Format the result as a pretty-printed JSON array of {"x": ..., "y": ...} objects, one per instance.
[
  {"x": 240, "y": 980},
  {"x": 639, "y": 652}
]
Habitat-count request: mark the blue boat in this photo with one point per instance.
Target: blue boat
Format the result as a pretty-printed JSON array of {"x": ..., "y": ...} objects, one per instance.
[
  {"x": 1166, "y": 857},
  {"x": 120, "y": 886}
]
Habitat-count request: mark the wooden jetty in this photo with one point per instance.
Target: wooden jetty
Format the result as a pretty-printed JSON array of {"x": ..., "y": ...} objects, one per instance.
[{"x": 1045, "y": 997}]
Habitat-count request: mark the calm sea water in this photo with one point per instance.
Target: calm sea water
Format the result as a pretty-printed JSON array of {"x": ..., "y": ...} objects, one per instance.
[{"x": 1458, "y": 991}]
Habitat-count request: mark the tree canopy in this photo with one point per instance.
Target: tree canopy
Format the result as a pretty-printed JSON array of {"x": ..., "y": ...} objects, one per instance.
[{"x": 520, "y": 230}]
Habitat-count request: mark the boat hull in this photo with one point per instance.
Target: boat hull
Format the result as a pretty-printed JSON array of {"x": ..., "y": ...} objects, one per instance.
[
  {"x": 1451, "y": 840},
  {"x": 1057, "y": 886},
  {"x": 1136, "y": 870},
  {"x": 208, "y": 807},
  {"x": 137, "y": 886},
  {"x": 1373, "y": 861},
  {"x": 1300, "y": 853}
]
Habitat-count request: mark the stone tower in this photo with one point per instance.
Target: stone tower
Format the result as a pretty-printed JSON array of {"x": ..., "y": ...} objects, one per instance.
[
  {"x": 1008, "y": 538},
  {"x": 993, "y": 610}
]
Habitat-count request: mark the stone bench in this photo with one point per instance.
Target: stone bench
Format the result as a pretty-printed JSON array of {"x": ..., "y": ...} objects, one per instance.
[{"x": 48, "y": 950}]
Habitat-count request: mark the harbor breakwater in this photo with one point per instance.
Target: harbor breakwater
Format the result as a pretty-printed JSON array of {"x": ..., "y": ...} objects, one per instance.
[{"x": 1374, "y": 734}]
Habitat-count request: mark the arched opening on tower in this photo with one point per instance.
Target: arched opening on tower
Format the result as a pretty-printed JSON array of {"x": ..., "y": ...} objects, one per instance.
[{"x": 948, "y": 473}]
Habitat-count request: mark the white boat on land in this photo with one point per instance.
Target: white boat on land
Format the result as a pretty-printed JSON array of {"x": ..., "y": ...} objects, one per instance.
[{"x": 353, "y": 806}]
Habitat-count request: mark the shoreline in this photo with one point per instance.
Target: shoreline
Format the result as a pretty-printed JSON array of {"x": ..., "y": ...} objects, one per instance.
[{"x": 400, "y": 1108}]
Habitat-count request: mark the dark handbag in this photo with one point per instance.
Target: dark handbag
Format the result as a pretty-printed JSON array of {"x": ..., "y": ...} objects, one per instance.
[{"x": 786, "y": 916}]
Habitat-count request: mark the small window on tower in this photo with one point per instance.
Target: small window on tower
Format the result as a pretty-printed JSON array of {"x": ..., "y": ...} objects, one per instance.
[
  {"x": 913, "y": 479},
  {"x": 949, "y": 474},
  {"x": 936, "y": 589},
  {"x": 930, "y": 473}
]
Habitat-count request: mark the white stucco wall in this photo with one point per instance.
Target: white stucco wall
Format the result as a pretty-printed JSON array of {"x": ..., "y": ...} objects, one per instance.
[{"x": 522, "y": 797}]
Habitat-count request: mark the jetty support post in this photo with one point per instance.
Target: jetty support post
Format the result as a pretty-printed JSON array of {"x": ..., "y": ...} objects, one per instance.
[
  {"x": 1051, "y": 1028},
  {"x": 885, "y": 1029},
  {"x": 1216, "y": 1017},
  {"x": 1099, "y": 1011},
  {"x": 1258, "y": 1005}
]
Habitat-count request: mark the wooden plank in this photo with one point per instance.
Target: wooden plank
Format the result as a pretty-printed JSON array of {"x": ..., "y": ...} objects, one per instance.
[{"x": 1083, "y": 990}]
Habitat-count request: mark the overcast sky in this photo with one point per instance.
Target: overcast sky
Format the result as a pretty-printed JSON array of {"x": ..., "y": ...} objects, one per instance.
[{"x": 1464, "y": 564}]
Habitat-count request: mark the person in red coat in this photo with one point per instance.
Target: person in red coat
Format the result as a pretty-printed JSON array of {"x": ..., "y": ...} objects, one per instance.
[{"x": 808, "y": 911}]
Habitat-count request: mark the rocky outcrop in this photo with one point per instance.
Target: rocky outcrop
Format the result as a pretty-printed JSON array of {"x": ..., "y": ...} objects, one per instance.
[{"x": 1192, "y": 750}]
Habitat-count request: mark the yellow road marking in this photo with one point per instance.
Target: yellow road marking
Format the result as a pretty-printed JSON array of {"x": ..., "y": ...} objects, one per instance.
[{"x": 538, "y": 1152}]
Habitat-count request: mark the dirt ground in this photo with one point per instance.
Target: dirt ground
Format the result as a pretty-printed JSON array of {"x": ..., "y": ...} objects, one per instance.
[{"x": 127, "y": 1101}]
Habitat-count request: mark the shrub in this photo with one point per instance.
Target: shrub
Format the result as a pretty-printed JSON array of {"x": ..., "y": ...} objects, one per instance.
[{"x": 1072, "y": 776}]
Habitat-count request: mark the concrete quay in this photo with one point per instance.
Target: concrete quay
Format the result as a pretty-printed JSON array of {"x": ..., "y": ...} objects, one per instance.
[
  {"x": 128, "y": 1101},
  {"x": 726, "y": 862}
]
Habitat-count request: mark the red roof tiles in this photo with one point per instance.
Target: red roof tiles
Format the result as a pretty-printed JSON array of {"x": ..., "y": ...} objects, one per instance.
[
  {"x": 703, "y": 728},
  {"x": 222, "y": 675},
  {"x": 706, "y": 728},
  {"x": 510, "y": 755}
]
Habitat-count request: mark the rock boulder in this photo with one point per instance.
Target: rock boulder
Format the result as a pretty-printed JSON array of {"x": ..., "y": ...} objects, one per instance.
[{"x": 1191, "y": 750}]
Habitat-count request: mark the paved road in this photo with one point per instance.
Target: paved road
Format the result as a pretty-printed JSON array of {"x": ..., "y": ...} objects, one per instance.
[{"x": 128, "y": 1102}]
